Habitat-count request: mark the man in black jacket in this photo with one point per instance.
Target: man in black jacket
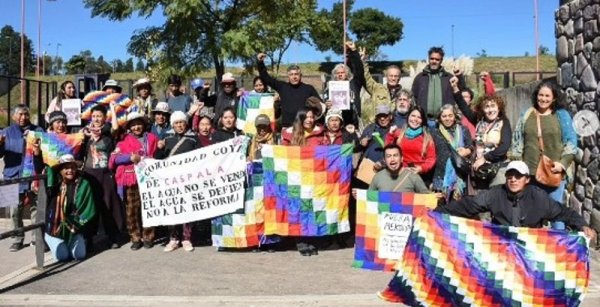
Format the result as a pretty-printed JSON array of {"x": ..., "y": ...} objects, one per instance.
[
  {"x": 517, "y": 203},
  {"x": 293, "y": 93}
]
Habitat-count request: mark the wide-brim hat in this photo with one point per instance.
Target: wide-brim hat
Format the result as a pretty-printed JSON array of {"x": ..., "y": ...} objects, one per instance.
[
  {"x": 142, "y": 81},
  {"x": 227, "y": 78},
  {"x": 111, "y": 83},
  {"x": 162, "y": 107},
  {"x": 65, "y": 160},
  {"x": 133, "y": 116},
  {"x": 316, "y": 104}
]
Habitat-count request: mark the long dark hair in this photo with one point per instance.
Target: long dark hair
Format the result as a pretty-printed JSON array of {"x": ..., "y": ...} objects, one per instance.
[
  {"x": 298, "y": 126},
  {"x": 559, "y": 101}
]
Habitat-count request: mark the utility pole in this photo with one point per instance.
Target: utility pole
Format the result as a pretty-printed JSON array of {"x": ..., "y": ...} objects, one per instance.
[
  {"x": 537, "y": 38},
  {"x": 22, "y": 51},
  {"x": 452, "y": 40}
]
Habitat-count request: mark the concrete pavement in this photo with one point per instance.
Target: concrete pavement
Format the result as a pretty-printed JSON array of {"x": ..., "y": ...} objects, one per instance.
[{"x": 203, "y": 277}]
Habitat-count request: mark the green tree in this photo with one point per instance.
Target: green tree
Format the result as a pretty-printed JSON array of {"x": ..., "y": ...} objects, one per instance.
[
  {"x": 197, "y": 34},
  {"x": 543, "y": 50},
  {"x": 75, "y": 65},
  {"x": 10, "y": 50},
  {"x": 374, "y": 29},
  {"x": 129, "y": 65},
  {"x": 139, "y": 65},
  {"x": 103, "y": 66},
  {"x": 370, "y": 27}
]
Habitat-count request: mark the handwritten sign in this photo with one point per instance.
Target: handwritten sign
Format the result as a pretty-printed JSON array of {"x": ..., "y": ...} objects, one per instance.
[
  {"x": 193, "y": 186},
  {"x": 394, "y": 229}
]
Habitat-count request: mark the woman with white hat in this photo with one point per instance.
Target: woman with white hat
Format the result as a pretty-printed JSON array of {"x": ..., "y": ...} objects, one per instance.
[
  {"x": 136, "y": 145},
  {"x": 160, "y": 115},
  {"x": 182, "y": 140},
  {"x": 145, "y": 100},
  {"x": 112, "y": 86},
  {"x": 70, "y": 208}
]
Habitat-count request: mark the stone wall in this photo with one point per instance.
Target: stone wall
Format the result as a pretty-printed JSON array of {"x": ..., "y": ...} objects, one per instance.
[{"x": 578, "y": 55}]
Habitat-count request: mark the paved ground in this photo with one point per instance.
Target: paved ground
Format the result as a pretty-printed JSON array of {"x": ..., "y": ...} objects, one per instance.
[{"x": 204, "y": 277}]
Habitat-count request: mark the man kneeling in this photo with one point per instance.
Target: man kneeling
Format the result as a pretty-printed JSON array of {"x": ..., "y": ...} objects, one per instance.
[{"x": 517, "y": 203}]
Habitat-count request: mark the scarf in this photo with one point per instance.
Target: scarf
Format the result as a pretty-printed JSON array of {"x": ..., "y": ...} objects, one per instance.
[
  {"x": 257, "y": 141},
  {"x": 434, "y": 90},
  {"x": 411, "y": 133},
  {"x": 452, "y": 184}
]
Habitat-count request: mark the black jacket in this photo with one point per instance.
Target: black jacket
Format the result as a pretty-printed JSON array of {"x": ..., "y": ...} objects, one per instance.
[
  {"x": 190, "y": 143},
  {"x": 530, "y": 208},
  {"x": 293, "y": 97},
  {"x": 222, "y": 135}
]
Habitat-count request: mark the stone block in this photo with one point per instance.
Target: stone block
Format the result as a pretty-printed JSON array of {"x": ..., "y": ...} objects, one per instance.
[
  {"x": 579, "y": 43},
  {"x": 575, "y": 204},
  {"x": 566, "y": 74},
  {"x": 589, "y": 12},
  {"x": 596, "y": 195},
  {"x": 588, "y": 49},
  {"x": 587, "y": 155},
  {"x": 596, "y": 43},
  {"x": 590, "y": 30},
  {"x": 571, "y": 45},
  {"x": 580, "y": 64},
  {"x": 595, "y": 62},
  {"x": 588, "y": 218},
  {"x": 588, "y": 80},
  {"x": 589, "y": 141},
  {"x": 587, "y": 204},
  {"x": 589, "y": 106},
  {"x": 562, "y": 49},
  {"x": 588, "y": 190},
  {"x": 589, "y": 96},
  {"x": 592, "y": 170},
  {"x": 579, "y": 191},
  {"x": 569, "y": 29},
  {"x": 563, "y": 13},
  {"x": 578, "y": 25}
]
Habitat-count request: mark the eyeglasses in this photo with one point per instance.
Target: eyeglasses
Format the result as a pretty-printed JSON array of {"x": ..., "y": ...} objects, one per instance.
[{"x": 515, "y": 175}]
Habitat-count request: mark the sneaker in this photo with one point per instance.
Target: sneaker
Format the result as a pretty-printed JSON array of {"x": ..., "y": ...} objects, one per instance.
[
  {"x": 15, "y": 247},
  {"x": 173, "y": 245},
  {"x": 187, "y": 246},
  {"x": 148, "y": 244},
  {"x": 136, "y": 245}
]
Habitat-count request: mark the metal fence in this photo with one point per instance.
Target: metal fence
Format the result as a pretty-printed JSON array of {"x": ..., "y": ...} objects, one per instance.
[
  {"x": 38, "y": 227},
  {"x": 33, "y": 93}
]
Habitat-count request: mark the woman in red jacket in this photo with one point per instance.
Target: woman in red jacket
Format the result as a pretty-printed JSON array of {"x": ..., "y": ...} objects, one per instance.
[
  {"x": 304, "y": 131},
  {"x": 418, "y": 149}
]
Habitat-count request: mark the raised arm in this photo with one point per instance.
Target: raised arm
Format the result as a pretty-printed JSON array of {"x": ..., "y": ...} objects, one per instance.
[
  {"x": 460, "y": 101},
  {"x": 356, "y": 65},
  {"x": 264, "y": 75}
]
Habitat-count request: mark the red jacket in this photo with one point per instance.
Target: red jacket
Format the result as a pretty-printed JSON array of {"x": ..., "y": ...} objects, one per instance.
[
  {"x": 313, "y": 139},
  {"x": 413, "y": 152},
  {"x": 125, "y": 172}
]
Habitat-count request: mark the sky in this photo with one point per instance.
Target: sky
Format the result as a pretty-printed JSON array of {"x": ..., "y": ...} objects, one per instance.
[{"x": 502, "y": 28}]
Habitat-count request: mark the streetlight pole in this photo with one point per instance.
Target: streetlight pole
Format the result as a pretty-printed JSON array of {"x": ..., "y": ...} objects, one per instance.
[
  {"x": 39, "y": 44},
  {"x": 537, "y": 43},
  {"x": 452, "y": 40},
  {"x": 22, "y": 51},
  {"x": 56, "y": 58}
]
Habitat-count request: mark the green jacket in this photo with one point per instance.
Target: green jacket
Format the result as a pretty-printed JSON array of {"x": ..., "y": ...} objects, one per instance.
[{"x": 76, "y": 213}]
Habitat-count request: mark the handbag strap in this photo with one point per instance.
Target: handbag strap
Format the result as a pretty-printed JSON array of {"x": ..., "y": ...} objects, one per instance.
[
  {"x": 539, "y": 133},
  {"x": 179, "y": 143},
  {"x": 406, "y": 174}
]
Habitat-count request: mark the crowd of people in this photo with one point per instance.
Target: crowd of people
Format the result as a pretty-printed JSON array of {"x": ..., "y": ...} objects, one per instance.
[{"x": 434, "y": 138}]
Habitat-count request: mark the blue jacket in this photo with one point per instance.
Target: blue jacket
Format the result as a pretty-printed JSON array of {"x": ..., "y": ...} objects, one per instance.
[{"x": 13, "y": 152}]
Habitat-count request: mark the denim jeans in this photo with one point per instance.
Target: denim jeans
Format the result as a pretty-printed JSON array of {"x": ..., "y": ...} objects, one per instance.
[
  {"x": 556, "y": 194},
  {"x": 61, "y": 251}
]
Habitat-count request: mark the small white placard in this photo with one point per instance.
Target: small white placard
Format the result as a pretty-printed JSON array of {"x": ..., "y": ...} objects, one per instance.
[
  {"x": 72, "y": 108},
  {"x": 339, "y": 94},
  {"x": 394, "y": 229}
]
